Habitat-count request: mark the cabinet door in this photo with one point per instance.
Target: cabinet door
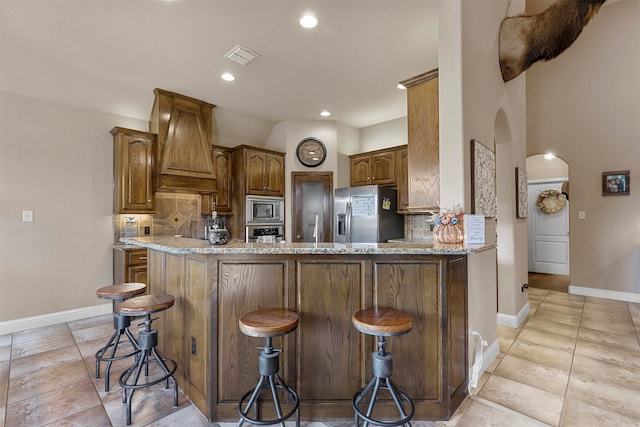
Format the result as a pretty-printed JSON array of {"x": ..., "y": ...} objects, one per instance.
[
  {"x": 360, "y": 170},
  {"x": 424, "y": 150},
  {"x": 137, "y": 274},
  {"x": 275, "y": 175},
  {"x": 222, "y": 162},
  {"x": 133, "y": 158},
  {"x": 402, "y": 179},
  {"x": 256, "y": 167},
  {"x": 383, "y": 168}
]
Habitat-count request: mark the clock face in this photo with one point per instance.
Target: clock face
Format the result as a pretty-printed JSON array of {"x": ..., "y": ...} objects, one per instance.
[{"x": 311, "y": 152}]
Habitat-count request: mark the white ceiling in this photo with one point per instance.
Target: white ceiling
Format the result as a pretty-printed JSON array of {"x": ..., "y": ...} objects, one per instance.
[{"x": 349, "y": 65}]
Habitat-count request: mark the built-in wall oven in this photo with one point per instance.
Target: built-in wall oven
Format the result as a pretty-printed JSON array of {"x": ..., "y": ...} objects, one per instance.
[{"x": 264, "y": 220}]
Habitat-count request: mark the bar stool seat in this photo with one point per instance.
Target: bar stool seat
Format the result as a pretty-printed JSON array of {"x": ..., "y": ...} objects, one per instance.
[
  {"x": 146, "y": 344},
  {"x": 382, "y": 322},
  {"x": 267, "y": 324},
  {"x": 117, "y": 293}
]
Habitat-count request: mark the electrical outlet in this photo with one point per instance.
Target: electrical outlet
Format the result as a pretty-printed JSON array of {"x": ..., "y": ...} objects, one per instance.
[
  {"x": 193, "y": 346},
  {"x": 147, "y": 230}
]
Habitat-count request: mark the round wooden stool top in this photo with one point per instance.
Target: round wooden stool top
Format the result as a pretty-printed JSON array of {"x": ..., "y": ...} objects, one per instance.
[
  {"x": 268, "y": 323},
  {"x": 382, "y": 322},
  {"x": 145, "y": 304},
  {"x": 121, "y": 291}
]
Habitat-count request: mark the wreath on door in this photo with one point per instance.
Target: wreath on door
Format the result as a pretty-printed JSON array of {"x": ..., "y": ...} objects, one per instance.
[{"x": 551, "y": 201}]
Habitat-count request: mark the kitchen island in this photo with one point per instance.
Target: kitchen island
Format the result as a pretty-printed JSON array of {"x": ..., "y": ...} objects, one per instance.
[{"x": 326, "y": 360}]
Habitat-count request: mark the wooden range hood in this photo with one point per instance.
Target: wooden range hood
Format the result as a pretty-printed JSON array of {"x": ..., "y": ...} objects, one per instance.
[{"x": 184, "y": 129}]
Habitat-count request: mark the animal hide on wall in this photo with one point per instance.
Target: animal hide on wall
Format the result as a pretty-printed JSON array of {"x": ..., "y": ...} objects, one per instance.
[{"x": 525, "y": 40}]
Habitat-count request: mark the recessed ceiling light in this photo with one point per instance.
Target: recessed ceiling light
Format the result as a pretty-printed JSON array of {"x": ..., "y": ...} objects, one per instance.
[
  {"x": 308, "y": 21},
  {"x": 325, "y": 113},
  {"x": 228, "y": 77},
  {"x": 400, "y": 86}
]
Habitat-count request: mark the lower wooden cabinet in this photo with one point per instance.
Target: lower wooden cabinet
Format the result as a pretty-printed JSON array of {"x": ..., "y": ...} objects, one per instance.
[
  {"x": 129, "y": 265},
  {"x": 325, "y": 359}
]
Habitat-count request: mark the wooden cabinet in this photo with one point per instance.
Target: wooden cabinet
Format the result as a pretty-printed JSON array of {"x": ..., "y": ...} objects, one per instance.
[
  {"x": 374, "y": 168},
  {"x": 257, "y": 172},
  {"x": 129, "y": 265},
  {"x": 264, "y": 173},
  {"x": 222, "y": 163},
  {"x": 184, "y": 129},
  {"x": 133, "y": 171},
  {"x": 423, "y": 121}
]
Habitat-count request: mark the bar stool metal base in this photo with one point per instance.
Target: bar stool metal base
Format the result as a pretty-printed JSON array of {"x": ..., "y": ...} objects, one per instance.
[
  {"x": 269, "y": 361},
  {"x": 147, "y": 354},
  {"x": 382, "y": 370},
  {"x": 121, "y": 327}
]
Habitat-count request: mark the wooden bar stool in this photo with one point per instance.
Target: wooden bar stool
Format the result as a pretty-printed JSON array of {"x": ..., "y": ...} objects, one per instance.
[
  {"x": 382, "y": 322},
  {"x": 117, "y": 294},
  {"x": 268, "y": 324},
  {"x": 145, "y": 306}
]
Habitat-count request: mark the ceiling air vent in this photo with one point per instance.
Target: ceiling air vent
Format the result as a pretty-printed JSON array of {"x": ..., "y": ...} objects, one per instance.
[{"x": 241, "y": 55}]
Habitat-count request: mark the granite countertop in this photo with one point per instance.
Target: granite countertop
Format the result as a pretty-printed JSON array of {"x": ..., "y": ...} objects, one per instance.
[{"x": 181, "y": 245}]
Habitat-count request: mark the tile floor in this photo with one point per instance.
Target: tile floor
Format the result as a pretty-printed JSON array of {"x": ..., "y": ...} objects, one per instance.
[{"x": 575, "y": 362}]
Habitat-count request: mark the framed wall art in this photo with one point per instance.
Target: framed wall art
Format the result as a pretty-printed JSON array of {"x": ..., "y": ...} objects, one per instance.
[
  {"x": 483, "y": 180},
  {"x": 616, "y": 183},
  {"x": 522, "y": 197}
]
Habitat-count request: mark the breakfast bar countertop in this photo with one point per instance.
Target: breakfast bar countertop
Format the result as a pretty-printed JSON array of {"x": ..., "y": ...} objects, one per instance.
[{"x": 181, "y": 245}]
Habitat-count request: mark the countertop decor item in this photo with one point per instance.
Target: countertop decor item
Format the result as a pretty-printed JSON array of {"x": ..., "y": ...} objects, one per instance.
[
  {"x": 550, "y": 201},
  {"x": 448, "y": 228}
]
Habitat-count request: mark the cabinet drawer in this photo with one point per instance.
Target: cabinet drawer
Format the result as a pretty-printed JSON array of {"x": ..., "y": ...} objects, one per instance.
[{"x": 137, "y": 257}]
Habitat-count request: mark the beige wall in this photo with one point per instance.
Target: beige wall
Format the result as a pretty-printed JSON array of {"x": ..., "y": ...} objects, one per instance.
[
  {"x": 56, "y": 160},
  {"x": 540, "y": 168},
  {"x": 585, "y": 107}
]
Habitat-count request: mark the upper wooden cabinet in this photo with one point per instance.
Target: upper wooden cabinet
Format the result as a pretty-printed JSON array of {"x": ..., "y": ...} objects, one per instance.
[
  {"x": 423, "y": 121},
  {"x": 374, "y": 167},
  {"x": 133, "y": 171},
  {"x": 184, "y": 128},
  {"x": 222, "y": 162},
  {"x": 261, "y": 171}
]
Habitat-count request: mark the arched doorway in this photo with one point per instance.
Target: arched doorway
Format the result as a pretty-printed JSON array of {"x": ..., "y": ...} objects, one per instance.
[{"x": 513, "y": 305}]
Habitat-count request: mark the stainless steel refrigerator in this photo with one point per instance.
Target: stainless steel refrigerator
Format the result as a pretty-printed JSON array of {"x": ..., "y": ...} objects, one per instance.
[{"x": 366, "y": 214}]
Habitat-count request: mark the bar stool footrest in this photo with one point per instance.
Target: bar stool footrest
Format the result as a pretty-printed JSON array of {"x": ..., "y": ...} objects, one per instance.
[
  {"x": 264, "y": 383},
  {"x": 403, "y": 398}
]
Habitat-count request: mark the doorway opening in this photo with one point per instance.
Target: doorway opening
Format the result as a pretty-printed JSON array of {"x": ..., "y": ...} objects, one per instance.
[
  {"x": 548, "y": 223},
  {"x": 312, "y": 206}
]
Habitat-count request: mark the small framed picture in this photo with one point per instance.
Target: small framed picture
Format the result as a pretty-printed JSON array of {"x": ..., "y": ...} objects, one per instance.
[{"x": 616, "y": 183}]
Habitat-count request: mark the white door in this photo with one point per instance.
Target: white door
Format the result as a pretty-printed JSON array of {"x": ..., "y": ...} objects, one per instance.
[{"x": 548, "y": 233}]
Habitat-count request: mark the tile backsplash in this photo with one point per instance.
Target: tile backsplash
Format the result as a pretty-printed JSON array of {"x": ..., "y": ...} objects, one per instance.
[
  {"x": 176, "y": 214},
  {"x": 418, "y": 227}
]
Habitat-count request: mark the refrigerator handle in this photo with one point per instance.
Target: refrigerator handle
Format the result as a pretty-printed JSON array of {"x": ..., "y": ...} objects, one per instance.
[{"x": 348, "y": 223}]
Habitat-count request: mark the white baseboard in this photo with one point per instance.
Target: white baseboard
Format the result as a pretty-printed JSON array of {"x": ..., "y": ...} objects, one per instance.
[
  {"x": 604, "y": 293},
  {"x": 514, "y": 321},
  {"x": 490, "y": 354},
  {"x": 53, "y": 318}
]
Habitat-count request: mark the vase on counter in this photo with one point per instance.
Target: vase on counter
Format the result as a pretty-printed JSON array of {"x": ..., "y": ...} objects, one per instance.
[{"x": 448, "y": 233}]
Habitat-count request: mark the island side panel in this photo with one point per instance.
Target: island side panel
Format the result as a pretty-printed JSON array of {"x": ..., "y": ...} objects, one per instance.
[
  {"x": 413, "y": 286},
  {"x": 457, "y": 362},
  {"x": 330, "y": 290},
  {"x": 246, "y": 285}
]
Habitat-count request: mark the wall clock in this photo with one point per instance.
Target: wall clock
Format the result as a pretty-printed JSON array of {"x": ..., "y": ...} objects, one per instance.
[{"x": 311, "y": 152}]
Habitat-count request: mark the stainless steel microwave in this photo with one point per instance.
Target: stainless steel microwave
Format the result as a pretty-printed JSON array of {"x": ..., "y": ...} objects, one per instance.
[{"x": 265, "y": 210}]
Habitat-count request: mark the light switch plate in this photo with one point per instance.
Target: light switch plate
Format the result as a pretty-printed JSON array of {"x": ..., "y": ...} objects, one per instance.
[
  {"x": 582, "y": 215},
  {"x": 27, "y": 216}
]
